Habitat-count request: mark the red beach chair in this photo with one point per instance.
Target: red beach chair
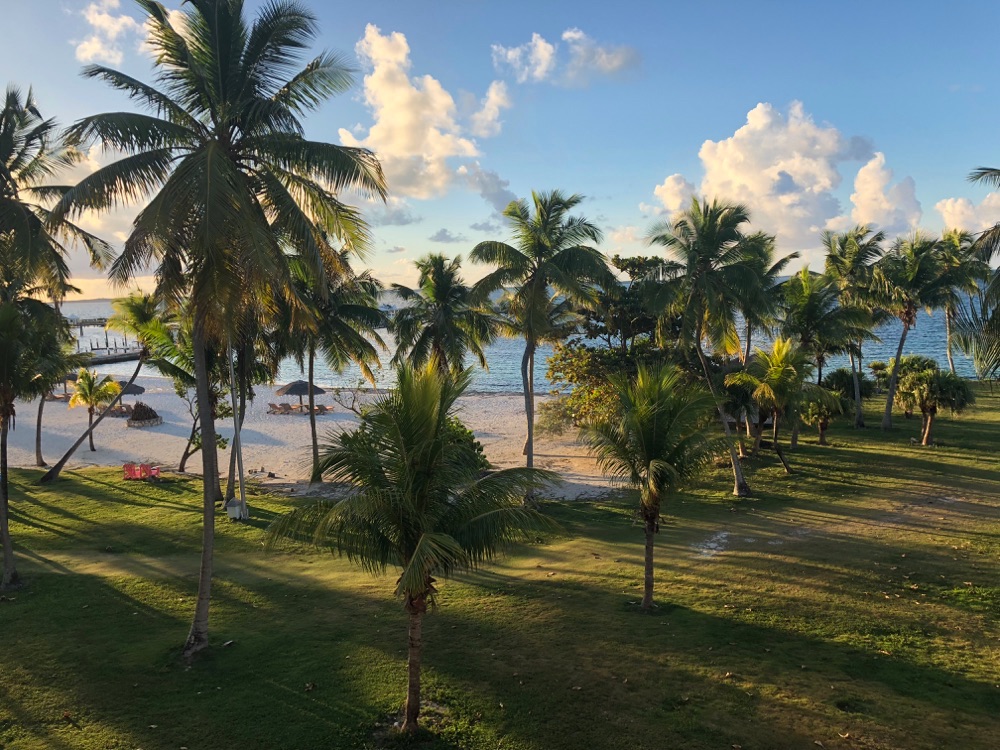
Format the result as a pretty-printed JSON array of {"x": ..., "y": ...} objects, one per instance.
[
  {"x": 131, "y": 471},
  {"x": 149, "y": 472}
]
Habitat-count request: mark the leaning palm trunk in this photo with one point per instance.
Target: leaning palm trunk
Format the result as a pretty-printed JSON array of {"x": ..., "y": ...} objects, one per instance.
[
  {"x": 894, "y": 380},
  {"x": 10, "y": 577},
  {"x": 928, "y": 426},
  {"x": 198, "y": 636},
  {"x": 416, "y": 607},
  {"x": 740, "y": 486},
  {"x": 52, "y": 474},
  {"x": 234, "y": 454},
  {"x": 947, "y": 336},
  {"x": 527, "y": 372},
  {"x": 859, "y": 412},
  {"x": 774, "y": 441},
  {"x": 746, "y": 347},
  {"x": 317, "y": 475},
  {"x": 39, "y": 459}
]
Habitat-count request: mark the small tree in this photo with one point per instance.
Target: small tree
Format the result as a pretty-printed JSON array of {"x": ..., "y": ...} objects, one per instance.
[
  {"x": 95, "y": 394},
  {"x": 932, "y": 389},
  {"x": 418, "y": 501},
  {"x": 659, "y": 438}
]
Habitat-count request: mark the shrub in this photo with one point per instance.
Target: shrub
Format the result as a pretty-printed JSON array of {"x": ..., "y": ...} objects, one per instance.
[{"x": 142, "y": 412}]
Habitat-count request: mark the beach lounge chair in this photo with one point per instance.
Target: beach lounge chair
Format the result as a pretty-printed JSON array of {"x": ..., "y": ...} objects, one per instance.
[
  {"x": 131, "y": 471},
  {"x": 149, "y": 472},
  {"x": 285, "y": 409},
  {"x": 273, "y": 409},
  {"x": 127, "y": 409},
  {"x": 322, "y": 409}
]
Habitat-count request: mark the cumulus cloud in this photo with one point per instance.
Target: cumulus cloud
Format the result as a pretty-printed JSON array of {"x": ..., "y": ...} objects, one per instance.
[
  {"x": 395, "y": 212},
  {"x": 624, "y": 235},
  {"x": 893, "y": 209},
  {"x": 491, "y": 186},
  {"x": 489, "y": 227},
  {"x": 107, "y": 32},
  {"x": 582, "y": 60},
  {"x": 961, "y": 213},
  {"x": 674, "y": 193},
  {"x": 444, "y": 235},
  {"x": 531, "y": 61},
  {"x": 485, "y": 123}
]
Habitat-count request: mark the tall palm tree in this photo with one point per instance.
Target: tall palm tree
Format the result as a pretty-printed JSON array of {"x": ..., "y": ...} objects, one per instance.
[
  {"x": 440, "y": 319},
  {"x": 658, "y": 438},
  {"x": 714, "y": 268},
  {"x": 850, "y": 259},
  {"x": 418, "y": 503},
  {"x": 31, "y": 336},
  {"x": 57, "y": 364},
  {"x": 963, "y": 270},
  {"x": 234, "y": 187},
  {"x": 908, "y": 277},
  {"x": 760, "y": 309},
  {"x": 549, "y": 253},
  {"x": 32, "y": 152},
  {"x": 818, "y": 320},
  {"x": 94, "y": 393},
  {"x": 132, "y": 314}
]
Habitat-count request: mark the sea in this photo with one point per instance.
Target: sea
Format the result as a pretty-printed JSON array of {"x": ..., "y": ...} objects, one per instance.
[{"x": 504, "y": 356}]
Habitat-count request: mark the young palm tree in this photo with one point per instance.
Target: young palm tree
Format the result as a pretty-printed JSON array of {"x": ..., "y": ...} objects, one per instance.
[
  {"x": 234, "y": 189},
  {"x": 850, "y": 259},
  {"x": 908, "y": 277},
  {"x": 550, "y": 253},
  {"x": 132, "y": 314},
  {"x": 659, "y": 438},
  {"x": 95, "y": 394},
  {"x": 930, "y": 390},
  {"x": 963, "y": 270},
  {"x": 440, "y": 320},
  {"x": 779, "y": 379},
  {"x": 32, "y": 151},
  {"x": 715, "y": 269},
  {"x": 418, "y": 502}
]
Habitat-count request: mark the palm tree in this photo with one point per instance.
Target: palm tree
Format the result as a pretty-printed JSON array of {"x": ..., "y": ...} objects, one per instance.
[
  {"x": 850, "y": 259},
  {"x": 779, "y": 382},
  {"x": 57, "y": 363},
  {"x": 908, "y": 277},
  {"x": 963, "y": 269},
  {"x": 759, "y": 310},
  {"x": 714, "y": 268},
  {"x": 549, "y": 254},
  {"x": 31, "y": 337},
  {"x": 95, "y": 394},
  {"x": 929, "y": 390},
  {"x": 816, "y": 317},
  {"x": 131, "y": 314},
  {"x": 658, "y": 439},
  {"x": 440, "y": 320},
  {"x": 32, "y": 152},
  {"x": 234, "y": 187},
  {"x": 418, "y": 502}
]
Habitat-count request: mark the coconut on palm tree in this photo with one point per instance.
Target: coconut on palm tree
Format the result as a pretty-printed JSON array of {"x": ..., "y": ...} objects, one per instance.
[
  {"x": 714, "y": 266},
  {"x": 550, "y": 253},
  {"x": 234, "y": 188},
  {"x": 440, "y": 319},
  {"x": 94, "y": 393},
  {"x": 418, "y": 502},
  {"x": 659, "y": 437}
]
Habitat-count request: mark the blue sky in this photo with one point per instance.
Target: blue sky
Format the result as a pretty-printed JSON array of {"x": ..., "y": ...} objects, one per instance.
[{"x": 816, "y": 115}]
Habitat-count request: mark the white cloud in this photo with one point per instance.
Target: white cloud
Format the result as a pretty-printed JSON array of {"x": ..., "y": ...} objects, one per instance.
[
  {"x": 489, "y": 227},
  {"x": 490, "y": 185},
  {"x": 416, "y": 131},
  {"x": 395, "y": 249},
  {"x": 624, "y": 235},
  {"x": 540, "y": 60},
  {"x": 892, "y": 209},
  {"x": 108, "y": 30},
  {"x": 674, "y": 193},
  {"x": 532, "y": 61},
  {"x": 961, "y": 213},
  {"x": 394, "y": 212},
  {"x": 486, "y": 122},
  {"x": 445, "y": 235}
]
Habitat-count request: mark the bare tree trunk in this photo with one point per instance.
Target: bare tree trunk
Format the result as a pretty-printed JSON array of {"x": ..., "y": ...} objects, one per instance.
[
  {"x": 39, "y": 459},
  {"x": 198, "y": 636},
  {"x": 527, "y": 372},
  {"x": 188, "y": 451},
  {"x": 822, "y": 425},
  {"x": 947, "y": 333},
  {"x": 894, "y": 380},
  {"x": 740, "y": 486},
  {"x": 10, "y": 577},
  {"x": 53, "y": 473},
  {"x": 746, "y": 348},
  {"x": 416, "y": 608},
  {"x": 647, "y": 587},
  {"x": 316, "y": 475},
  {"x": 241, "y": 392},
  {"x": 926, "y": 439},
  {"x": 777, "y": 448},
  {"x": 859, "y": 412},
  {"x": 90, "y": 428},
  {"x": 794, "y": 442}
]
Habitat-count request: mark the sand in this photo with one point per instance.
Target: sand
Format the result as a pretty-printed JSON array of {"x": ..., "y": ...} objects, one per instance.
[{"x": 280, "y": 443}]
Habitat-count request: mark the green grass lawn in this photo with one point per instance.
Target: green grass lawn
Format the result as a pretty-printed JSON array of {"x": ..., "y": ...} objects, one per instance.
[{"x": 853, "y": 604}]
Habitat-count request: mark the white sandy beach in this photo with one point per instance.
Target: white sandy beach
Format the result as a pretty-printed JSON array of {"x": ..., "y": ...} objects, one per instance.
[{"x": 280, "y": 443}]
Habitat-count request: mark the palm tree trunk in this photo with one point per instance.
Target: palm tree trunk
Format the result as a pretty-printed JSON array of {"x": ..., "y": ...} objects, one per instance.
[
  {"x": 90, "y": 428},
  {"x": 926, "y": 439},
  {"x": 316, "y": 475},
  {"x": 188, "y": 451},
  {"x": 198, "y": 636},
  {"x": 527, "y": 370},
  {"x": 235, "y": 455},
  {"x": 416, "y": 608},
  {"x": 10, "y": 577},
  {"x": 52, "y": 474},
  {"x": 947, "y": 334},
  {"x": 740, "y": 486},
  {"x": 894, "y": 380},
  {"x": 746, "y": 347},
  {"x": 859, "y": 412},
  {"x": 759, "y": 437},
  {"x": 39, "y": 459},
  {"x": 822, "y": 424},
  {"x": 794, "y": 442},
  {"x": 777, "y": 448},
  {"x": 647, "y": 588}
]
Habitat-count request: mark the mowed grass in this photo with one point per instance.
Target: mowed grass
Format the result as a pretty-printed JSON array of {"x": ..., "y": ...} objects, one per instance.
[{"x": 853, "y": 604}]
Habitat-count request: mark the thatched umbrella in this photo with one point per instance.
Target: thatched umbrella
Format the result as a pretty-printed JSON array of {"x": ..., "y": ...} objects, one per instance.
[
  {"x": 130, "y": 389},
  {"x": 298, "y": 388}
]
